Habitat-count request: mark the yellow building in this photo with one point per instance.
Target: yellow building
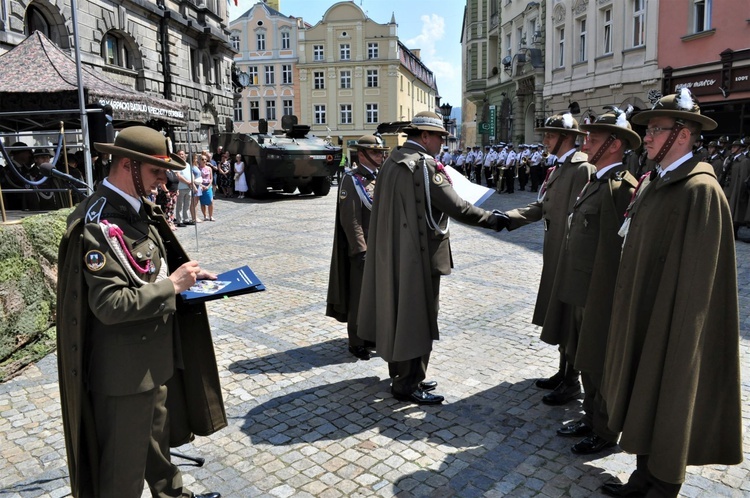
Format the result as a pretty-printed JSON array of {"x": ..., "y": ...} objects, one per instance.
[{"x": 354, "y": 73}]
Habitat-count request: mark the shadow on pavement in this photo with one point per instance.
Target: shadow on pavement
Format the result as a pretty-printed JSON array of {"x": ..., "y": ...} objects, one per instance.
[{"x": 322, "y": 354}]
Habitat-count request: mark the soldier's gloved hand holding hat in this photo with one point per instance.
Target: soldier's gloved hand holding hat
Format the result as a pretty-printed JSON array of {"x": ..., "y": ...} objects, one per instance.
[{"x": 144, "y": 145}]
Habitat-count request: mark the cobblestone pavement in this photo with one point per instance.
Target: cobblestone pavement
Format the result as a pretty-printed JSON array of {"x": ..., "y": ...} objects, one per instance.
[{"x": 307, "y": 419}]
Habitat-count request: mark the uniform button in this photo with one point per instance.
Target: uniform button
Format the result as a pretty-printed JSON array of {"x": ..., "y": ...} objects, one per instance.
[
  {"x": 74, "y": 321},
  {"x": 74, "y": 372},
  {"x": 162, "y": 306},
  {"x": 421, "y": 232},
  {"x": 404, "y": 225},
  {"x": 74, "y": 347},
  {"x": 75, "y": 269},
  {"x": 417, "y": 184},
  {"x": 419, "y": 201},
  {"x": 421, "y": 249},
  {"x": 75, "y": 295},
  {"x": 143, "y": 338},
  {"x": 139, "y": 254},
  {"x": 419, "y": 217}
]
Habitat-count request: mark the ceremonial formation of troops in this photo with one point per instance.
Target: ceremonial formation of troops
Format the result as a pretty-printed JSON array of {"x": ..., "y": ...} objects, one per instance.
[{"x": 639, "y": 281}]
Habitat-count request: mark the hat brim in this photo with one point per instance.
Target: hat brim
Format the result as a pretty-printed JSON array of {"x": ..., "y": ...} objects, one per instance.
[
  {"x": 554, "y": 129},
  {"x": 631, "y": 137},
  {"x": 175, "y": 162},
  {"x": 433, "y": 129},
  {"x": 643, "y": 117}
]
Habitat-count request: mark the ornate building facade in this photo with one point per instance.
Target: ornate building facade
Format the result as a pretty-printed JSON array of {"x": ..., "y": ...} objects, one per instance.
[{"x": 174, "y": 49}]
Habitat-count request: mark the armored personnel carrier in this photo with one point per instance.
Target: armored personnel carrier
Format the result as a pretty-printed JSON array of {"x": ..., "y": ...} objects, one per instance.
[{"x": 286, "y": 160}]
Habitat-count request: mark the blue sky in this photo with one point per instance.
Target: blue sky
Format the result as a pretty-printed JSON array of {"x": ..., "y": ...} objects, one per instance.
[{"x": 430, "y": 25}]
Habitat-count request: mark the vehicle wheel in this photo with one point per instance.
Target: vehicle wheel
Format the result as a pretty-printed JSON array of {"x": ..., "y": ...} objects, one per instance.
[
  {"x": 305, "y": 189},
  {"x": 321, "y": 185},
  {"x": 256, "y": 184},
  {"x": 289, "y": 189}
]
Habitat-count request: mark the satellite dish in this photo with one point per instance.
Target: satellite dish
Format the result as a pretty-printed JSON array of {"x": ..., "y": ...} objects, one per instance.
[{"x": 507, "y": 60}]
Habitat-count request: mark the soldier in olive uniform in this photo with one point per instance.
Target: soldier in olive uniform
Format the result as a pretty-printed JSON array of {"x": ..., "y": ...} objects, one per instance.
[
  {"x": 350, "y": 239},
  {"x": 136, "y": 364},
  {"x": 414, "y": 199},
  {"x": 556, "y": 197},
  {"x": 586, "y": 273}
]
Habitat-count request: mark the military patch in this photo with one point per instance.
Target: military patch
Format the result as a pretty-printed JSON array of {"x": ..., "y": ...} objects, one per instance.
[
  {"x": 342, "y": 194},
  {"x": 95, "y": 260},
  {"x": 438, "y": 178}
]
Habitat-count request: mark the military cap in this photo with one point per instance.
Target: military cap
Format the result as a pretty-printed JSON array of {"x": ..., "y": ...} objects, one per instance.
[
  {"x": 677, "y": 106},
  {"x": 713, "y": 143},
  {"x": 736, "y": 143},
  {"x": 145, "y": 145},
  {"x": 615, "y": 122},
  {"x": 42, "y": 152},
  {"x": 370, "y": 142},
  {"x": 561, "y": 123},
  {"x": 426, "y": 121}
]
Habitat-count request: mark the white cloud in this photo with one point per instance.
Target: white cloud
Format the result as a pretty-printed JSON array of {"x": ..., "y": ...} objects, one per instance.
[
  {"x": 433, "y": 48},
  {"x": 433, "y": 29}
]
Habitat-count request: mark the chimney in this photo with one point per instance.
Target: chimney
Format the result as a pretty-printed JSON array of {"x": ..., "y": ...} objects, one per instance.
[{"x": 417, "y": 53}]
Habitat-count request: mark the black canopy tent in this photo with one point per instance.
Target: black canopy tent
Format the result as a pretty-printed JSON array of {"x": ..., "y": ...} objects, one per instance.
[{"x": 38, "y": 75}]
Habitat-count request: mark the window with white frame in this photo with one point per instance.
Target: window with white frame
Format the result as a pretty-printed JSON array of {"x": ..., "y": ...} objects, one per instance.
[
  {"x": 639, "y": 22},
  {"x": 345, "y": 52},
  {"x": 317, "y": 52},
  {"x": 288, "y": 107},
  {"x": 581, "y": 39},
  {"x": 345, "y": 113},
  {"x": 254, "y": 106},
  {"x": 270, "y": 110},
  {"x": 234, "y": 39},
  {"x": 561, "y": 46},
  {"x": 270, "y": 76},
  {"x": 319, "y": 113},
  {"x": 238, "y": 111},
  {"x": 345, "y": 78},
  {"x": 252, "y": 71},
  {"x": 286, "y": 74},
  {"x": 285, "y": 40},
  {"x": 701, "y": 15},
  {"x": 319, "y": 80},
  {"x": 260, "y": 41},
  {"x": 373, "y": 49},
  {"x": 519, "y": 37},
  {"x": 371, "y": 113},
  {"x": 372, "y": 78},
  {"x": 607, "y": 31},
  {"x": 115, "y": 51}
]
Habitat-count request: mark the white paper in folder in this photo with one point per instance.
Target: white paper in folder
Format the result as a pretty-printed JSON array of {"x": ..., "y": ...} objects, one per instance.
[{"x": 470, "y": 192}]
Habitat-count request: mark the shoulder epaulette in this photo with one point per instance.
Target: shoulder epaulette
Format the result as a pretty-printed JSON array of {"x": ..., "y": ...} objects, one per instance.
[{"x": 94, "y": 212}]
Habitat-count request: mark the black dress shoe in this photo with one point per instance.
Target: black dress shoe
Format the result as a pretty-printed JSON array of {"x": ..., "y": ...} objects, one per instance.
[
  {"x": 562, "y": 394},
  {"x": 428, "y": 385},
  {"x": 360, "y": 352},
  {"x": 627, "y": 489},
  {"x": 590, "y": 445},
  {"x": 575, "y": 429},
  {"x": 419, "y": 397},
  {"x": 551, "y": 382},
  {"x": 208, "y": 495}
]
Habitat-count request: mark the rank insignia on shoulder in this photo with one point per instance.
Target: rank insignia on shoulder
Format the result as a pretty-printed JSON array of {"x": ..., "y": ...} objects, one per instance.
[
  {"x": 438, "y": 179},
  {"x": 95, "y": 260},
  {"x": 342, "y": 194}
]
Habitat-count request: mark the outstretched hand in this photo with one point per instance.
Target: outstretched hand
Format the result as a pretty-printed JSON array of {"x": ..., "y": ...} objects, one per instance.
[
  {"x": 186, "y": 275},
  {"x": 503, "y": 220}
]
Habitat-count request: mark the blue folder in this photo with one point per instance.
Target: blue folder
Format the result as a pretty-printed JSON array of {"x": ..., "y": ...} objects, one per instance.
[{"x": 235, "y": 282}]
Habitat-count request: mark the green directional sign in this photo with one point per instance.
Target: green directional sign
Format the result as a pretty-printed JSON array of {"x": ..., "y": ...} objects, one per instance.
[
  {"x": 484, "y": 128},
  {"x": 493, "y": 120}
]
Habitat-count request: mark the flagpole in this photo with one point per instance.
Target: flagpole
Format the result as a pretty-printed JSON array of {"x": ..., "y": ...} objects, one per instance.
[{"x": 81, "y": 101}]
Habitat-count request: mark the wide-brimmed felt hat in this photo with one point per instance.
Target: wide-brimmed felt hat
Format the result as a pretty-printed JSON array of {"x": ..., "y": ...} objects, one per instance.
[
  {"x": 677, "y": 106},
  {"x": 426, "y": 121},
  {"x": 560, "y": 123},
  {"x": 370, "y": 142},
  {"x": 145, "y": 145},
  {"x": 42, "y": 152},
  {"x": 615, "y": 122}
]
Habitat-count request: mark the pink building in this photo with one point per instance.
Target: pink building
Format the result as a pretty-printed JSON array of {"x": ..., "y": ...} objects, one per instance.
[{"x": 706, "y": 47}]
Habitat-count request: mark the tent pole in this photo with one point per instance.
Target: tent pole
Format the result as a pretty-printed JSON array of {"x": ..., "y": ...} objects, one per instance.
[
  {"x": 81, "y": 101},
  {"x": 190, "y": 159}
]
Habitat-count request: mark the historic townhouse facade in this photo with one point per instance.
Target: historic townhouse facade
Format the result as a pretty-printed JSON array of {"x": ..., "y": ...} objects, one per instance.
[
  {"x": 266, "y": 61},
  {"x": 601, "y": 52},
  {"x": 504, "y": 66},
  {"x": 174, "y": 49},
  {"x": 706, "y": 47},
  {"x": 354, "y": 74}
]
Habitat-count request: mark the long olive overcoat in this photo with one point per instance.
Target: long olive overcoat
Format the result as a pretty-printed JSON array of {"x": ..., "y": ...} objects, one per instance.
[
  {"x": 671, "y": 377},
  {"x": 397, "y": 309},
  {"x": 562, "y": 189}
]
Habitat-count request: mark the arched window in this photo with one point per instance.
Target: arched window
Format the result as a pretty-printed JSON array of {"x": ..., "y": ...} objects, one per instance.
[
  {"x": 37, "y": 21},
  {"x": 115, "y": 51}
]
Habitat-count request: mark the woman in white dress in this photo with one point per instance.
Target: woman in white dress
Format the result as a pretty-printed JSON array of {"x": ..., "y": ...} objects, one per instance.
[{"x": 240, "y": 184}]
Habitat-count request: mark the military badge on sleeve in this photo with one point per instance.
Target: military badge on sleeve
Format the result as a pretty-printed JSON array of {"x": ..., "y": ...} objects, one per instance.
[
  {"x": 438, "y": 179},
  {"x": 342, "y": 194},
  {"x": 95, "y": 260}
]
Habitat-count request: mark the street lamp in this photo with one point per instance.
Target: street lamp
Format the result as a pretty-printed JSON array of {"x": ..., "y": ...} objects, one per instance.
[{"x": 445, "y": 110}]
